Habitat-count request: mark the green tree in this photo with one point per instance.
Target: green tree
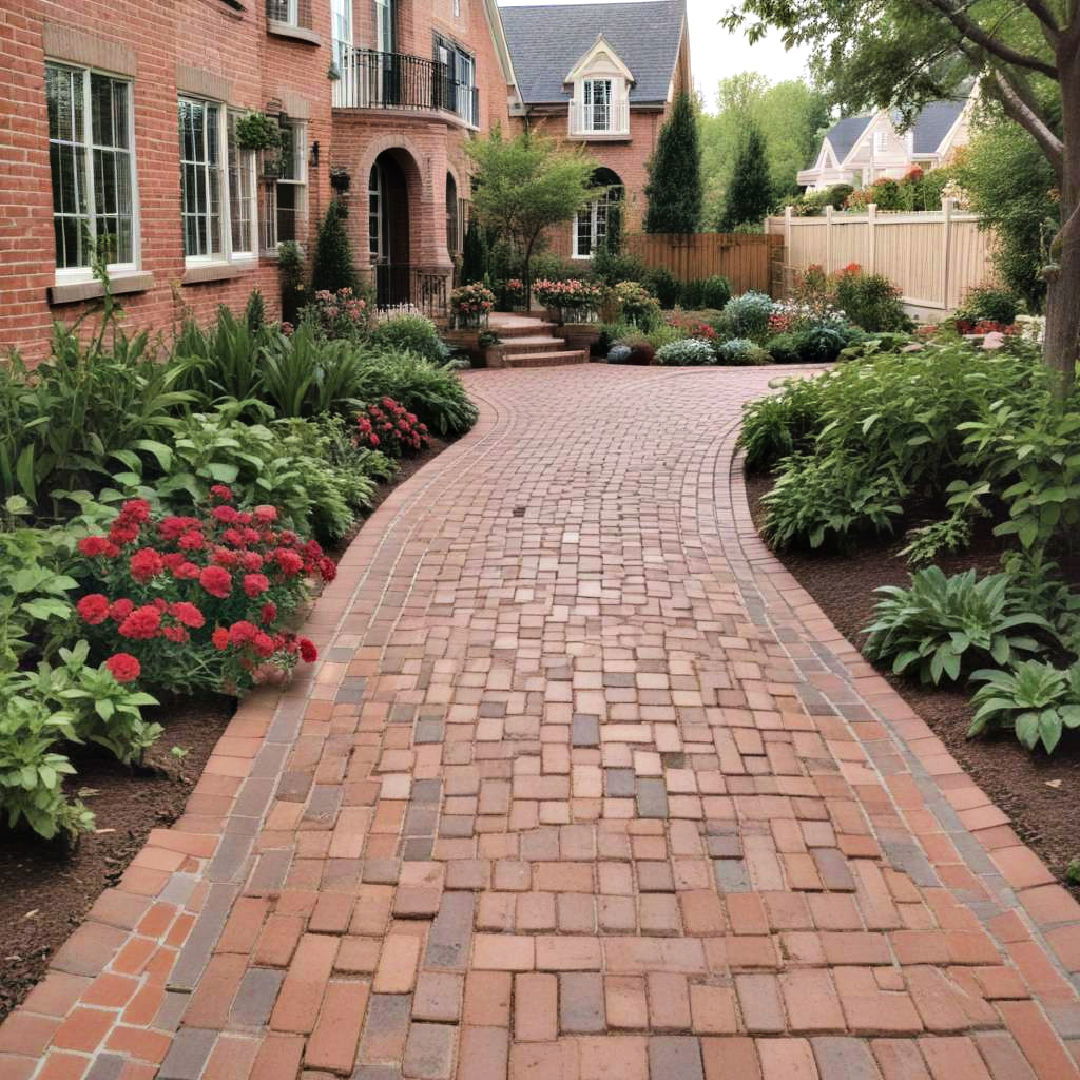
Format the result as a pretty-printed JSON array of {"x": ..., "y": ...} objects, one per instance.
[
  {"x": 332, "y": 263},
  {"x": 750, "y": 193},
  {"x": 1010, "y": 185},
  {"x": 674, "y": 188},
  {"x": 525, "y": 185},
  {"x": 474, "y": 254},
  {"x": 791, "y": 113},
  {"x": 903, "y": 53}
]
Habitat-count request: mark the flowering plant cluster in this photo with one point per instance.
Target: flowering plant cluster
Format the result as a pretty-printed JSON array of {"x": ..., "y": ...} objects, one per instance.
[
  {"x": 636, "y": 303},
  {"x": 571, "y": 293},
  {"x": 388, "y": 427},
  {"x": 794, "y": 316},
  {"x": 181, "y": 602},
  {"x": 986, "y": 326},
  {"x": 471, "y": 299},
  {"x": 514, "y": 290},
  {"x": 340, "y": 315}
]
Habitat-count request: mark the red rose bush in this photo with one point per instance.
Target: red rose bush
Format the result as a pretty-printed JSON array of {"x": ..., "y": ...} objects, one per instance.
[
  {"x": 197, "y": 601},
  {"x": 389, "y": 427}
]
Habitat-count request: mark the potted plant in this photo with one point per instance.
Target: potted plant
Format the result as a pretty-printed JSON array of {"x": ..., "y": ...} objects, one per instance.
[
  {"x": 257, "y": 131},
  {"x": 469, "y": 306},
  {"x": 513, "y": 294},
  {"x": 571, "y": 301},
  {"x": 340, "y": 179}
]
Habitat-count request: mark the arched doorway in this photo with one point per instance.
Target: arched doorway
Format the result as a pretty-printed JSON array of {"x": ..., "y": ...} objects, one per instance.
[
  {"x": 591, "y": 224},
  {"x": 388, "y": 228}
]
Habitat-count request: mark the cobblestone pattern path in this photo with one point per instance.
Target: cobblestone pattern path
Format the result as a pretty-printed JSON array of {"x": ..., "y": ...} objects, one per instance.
[{"x": 585, "y": 786}]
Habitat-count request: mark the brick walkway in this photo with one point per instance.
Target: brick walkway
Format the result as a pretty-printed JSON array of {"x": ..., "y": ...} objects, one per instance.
[{"x": 585, "y": 786}]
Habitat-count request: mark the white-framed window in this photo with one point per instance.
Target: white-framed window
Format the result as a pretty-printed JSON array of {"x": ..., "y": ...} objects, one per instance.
[
  {"x": 455, "y": 7},
  {"x": 881, "y": 141},
  {"x": 376, "y": 232},
  {"x": 93, "y": 169},
  {"x": 590, "y": 225},
  {"x": 285, "y": 193},
  {"x": 596, "y": 98},
  {"x": 462, "y": 96},
  {"x": 284, "y": 11},
  {"x": 203, "y": 202},
  {"x": 341, "y": 33},
  {"x": 243, "y": 224},
  {"x": 384, "y": 26}
]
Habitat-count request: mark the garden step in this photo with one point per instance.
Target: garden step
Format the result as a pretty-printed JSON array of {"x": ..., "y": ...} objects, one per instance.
[
  {"x": 522, "y": 329},
  {"x": 546, "y": 359},
  {"x": 537, "y": 343}
]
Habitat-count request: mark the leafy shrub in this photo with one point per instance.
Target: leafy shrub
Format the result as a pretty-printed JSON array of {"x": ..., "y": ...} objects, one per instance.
[
  {"x": 986, "y": 303},
  {"x": 341, "y": 315},
  {"x": 715, "y": 293},
  {"x": 777, "y": 426},
  {"x": 943, "y": 626},
  {"x": 869, "y": 300},
  {"x": 686, "y": 353},
  {"x": 611, "y": 268},
  {"x": 747, "y": 316},
  {"x": 1037, "y": 700},
  {"x": 820, "y": 344},
  {"x": 619, "y": 354},
  {"x": 224, "y": 360},
  {"x": 742, "y": 352},
  {"x": 388, "y": 427},
  {"x": 663, "y": 284},
  {"x": 637, "y": 306},
  {"x": 784, "y": 349},
  {"x": 434, "y": 393},
  {"x": 197, "y": 600},
  {"x": 332, "y": 266},
  {"x": 642, "y": 350},
  {"x": 411, "y": 333}
]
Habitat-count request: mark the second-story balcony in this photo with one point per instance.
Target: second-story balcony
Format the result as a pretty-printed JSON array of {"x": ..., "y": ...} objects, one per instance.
[
  {"x": 603, "y": 120},
  {"x": 378, "y": 80}
]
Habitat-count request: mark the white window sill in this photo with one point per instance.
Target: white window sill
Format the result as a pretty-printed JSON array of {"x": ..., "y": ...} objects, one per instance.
[
  {"x": 74, "y": 292},
  {"x": 200, "y": 273},
  {"x": 293, "y": 33}
]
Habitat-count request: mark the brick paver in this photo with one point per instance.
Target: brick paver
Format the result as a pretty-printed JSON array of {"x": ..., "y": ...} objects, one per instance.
[{"x": 584, "y": 785}]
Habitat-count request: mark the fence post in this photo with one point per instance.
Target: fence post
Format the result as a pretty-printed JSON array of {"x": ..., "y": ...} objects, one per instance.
[
  {"x": 946, "y": 248},
  {"x": 871, "y": 237},
  {"x": 828, "y": 238}
]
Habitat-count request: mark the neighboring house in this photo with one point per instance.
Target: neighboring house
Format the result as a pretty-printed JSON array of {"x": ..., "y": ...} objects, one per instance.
[
  {"x": 603, "y": 76},
  {"x": 861, "y": 149}
]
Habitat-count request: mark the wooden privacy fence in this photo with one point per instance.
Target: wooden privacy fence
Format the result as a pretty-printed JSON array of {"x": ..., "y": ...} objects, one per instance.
[
  {"x": 744, "y": 259},
  {"x": 933, "y": 257}
]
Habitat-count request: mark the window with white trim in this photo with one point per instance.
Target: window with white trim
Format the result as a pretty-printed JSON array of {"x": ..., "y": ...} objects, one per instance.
[
  {"x": 881, "y": 141},
  {"x": 243, "y": 235},
  {"x": 591, "y": 224},
  {"x": 203, "y": 205},
  {"x": 285, "y": 191},
  {"x": 596, "y": 98},
  {"x": 93, "y": 169}
]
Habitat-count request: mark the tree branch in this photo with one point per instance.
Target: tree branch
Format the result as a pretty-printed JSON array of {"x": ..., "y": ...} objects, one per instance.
[
  {"x": 1015, "y": 100},
  {"x": 976, "y": 33},
  {"x": 1045, "y": 16}
]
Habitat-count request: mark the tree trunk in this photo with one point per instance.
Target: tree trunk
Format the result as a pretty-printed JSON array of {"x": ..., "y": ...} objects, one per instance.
[{"x": 1062, "y": 345}]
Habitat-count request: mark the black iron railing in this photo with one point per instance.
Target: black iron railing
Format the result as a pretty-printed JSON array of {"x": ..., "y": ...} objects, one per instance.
[
  {"x": 377, "y": 80},
  {"x": 416, "y": 288},
  {"x": 290, "y": 12}
]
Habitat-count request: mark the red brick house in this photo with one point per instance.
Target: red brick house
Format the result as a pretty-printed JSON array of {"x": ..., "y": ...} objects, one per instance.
[
  {"x": 122, "y": 118},
  {"x": 602, "y": 76}
]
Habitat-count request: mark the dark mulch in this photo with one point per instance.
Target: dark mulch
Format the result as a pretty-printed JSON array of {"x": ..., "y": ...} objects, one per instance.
[
  {"x": 1017, "y": 781},
  {"x": 45, "y": 889}
]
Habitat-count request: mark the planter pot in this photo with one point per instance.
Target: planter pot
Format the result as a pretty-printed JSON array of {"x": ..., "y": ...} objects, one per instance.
[
  {"x": 573, "y": 316},
  {"x": 469, "y": 320}
]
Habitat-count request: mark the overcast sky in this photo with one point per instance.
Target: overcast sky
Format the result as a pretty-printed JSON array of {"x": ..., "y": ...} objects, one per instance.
[{"x": 714, "y": 53}]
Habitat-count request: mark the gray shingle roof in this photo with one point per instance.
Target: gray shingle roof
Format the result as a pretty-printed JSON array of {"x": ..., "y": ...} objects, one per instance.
[
  {"x": 547, "y": 40},
  {"x": 845, "y": 133},
  {"x": 934, "y": 123}
]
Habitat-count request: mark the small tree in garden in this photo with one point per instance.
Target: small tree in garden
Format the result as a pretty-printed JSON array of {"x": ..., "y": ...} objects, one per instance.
[
  {"x": 674, "y": 188},
  {"x": 903, "y": 53},
  {"x": 332, "y": 264},
  {"x": 750, "y": 195},
  {"x": 525, "y": 185},
  {"x": 474, "y": 254}
]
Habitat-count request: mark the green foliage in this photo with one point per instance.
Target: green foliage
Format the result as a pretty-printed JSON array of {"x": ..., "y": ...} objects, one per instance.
[
  {"x": 1010, "y": 185},
  {"x": 689, "y": 352},
  {"x": 750, "y": 192},
  {"x": 870, "y": 301},
  {"x": 943, "y": 626},
  {"x": 474, "y": 254},
  {"x": 747, "y": 316},
  {"x": 255, "y": 310},
  {"x": 411, "y": 333},
  {"x": 741, "y": 352},
  {"x": 293, "y": 273},
  {"x": 434, "y": 393},
  {"x": 815, "y": 203},
  {"x": 257, "y": 131},
  {"x": 711, "y": 292},
  {"x": 988, "y": 303},
  {"x": 302, "y": 375},
  {"x": 674, "y": 187},
  {"x": 791, "y": 112},
  {"x": 1037, "y": 700},
  {"x": 664, "y": 285},
  {"x": 780, "y": 425},
  {"x": 332, "y": 263},
  {"x": 225, "y": 360}
]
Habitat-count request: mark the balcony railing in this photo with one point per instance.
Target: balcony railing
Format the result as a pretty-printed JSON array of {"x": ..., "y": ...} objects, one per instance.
[
  {"x": 607, "y": 120},
  {"x": 376, "y": 80},
  {"x": 416, "y": 288},
  {"x": 289, "y": 12}
]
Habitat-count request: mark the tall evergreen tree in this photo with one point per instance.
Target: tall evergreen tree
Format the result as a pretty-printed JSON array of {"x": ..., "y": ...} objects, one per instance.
[
  {"x": 674, "y": 188},
  {"x": 750, "y": 194},
  {"x": 332, "y": 264},
  {"x": 474, "y": 254}
]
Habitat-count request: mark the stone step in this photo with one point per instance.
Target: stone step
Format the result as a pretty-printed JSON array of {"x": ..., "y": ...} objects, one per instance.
[
  {"x": 525, "y": 328},
  {"x": 546, "y": 359},
  {"x": 538, "y": 343}
]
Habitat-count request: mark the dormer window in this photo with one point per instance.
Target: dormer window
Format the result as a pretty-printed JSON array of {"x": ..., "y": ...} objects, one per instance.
[
  {"x": 596, "y": 99},
  {"x": 600, "y": 107}
]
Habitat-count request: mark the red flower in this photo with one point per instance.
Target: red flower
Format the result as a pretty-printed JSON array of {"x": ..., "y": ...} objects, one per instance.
[
  {"x": 265, "y": 513},
  {"x": 124, "y": 667},
  {"x": 187, "y": 613},
  {"x": 226, "y": 514},
  {"x": 242, "y": 631},
  {"x": 256, "y": 584},
  {"x": 174, "y": 527},
  {"x": 216, "y": 581},
  {"x": 224, "y": 557},
  {"x": 123, "y": 532},
  {"x": 220, "y": 639},
  {"x": 94, "y": 546},
  {"x": 145, "y": 564},
  {"x": 186, "y": 571},
  {"x": 263, "y": 644},
  {"x": 327, "y": 569},
  {"x": 137, "y": 510},
  {"x": 222, "y": 492},
  {"x": 121, "y": 609},
  {"x": 93, "y": 609},
  {"x": 251, "y": 561},
  {"x": 289, "y": 561},
  {"x": 192, "y": 541},
  {"x": 143, "y": 623},
  {"x": 269, "y": 612},
  {"x": 178, "y": 634},
  {"x": 308, "y": 653}
]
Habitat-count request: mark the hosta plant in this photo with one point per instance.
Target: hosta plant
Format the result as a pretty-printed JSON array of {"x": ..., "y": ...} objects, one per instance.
[
  {"x": 942, "y": 626},
  {"x": 1037, "y": 700},
  {"x": 199, "y": 600}
]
